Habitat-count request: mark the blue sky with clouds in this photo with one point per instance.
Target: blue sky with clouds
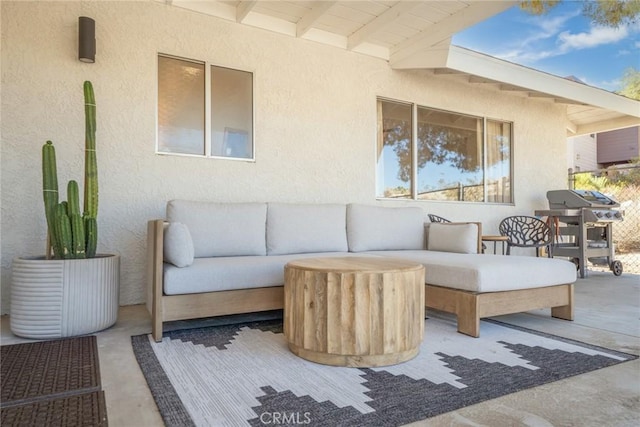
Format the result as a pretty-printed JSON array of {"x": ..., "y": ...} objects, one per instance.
[{"x": 562, "y": 42}]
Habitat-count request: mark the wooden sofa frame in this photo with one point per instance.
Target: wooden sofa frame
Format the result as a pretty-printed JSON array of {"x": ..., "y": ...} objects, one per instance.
[
  {"x": 469, "y": 307},
  {"x": 166, "y": 308}
]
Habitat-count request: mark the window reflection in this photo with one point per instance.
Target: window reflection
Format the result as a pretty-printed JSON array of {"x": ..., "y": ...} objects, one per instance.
[
  {"x": 452, "y": 156},
  {"x": 449, "y": 156},
  {"x": 394, "y": 150},
  {"x": 231, "y": 113}
]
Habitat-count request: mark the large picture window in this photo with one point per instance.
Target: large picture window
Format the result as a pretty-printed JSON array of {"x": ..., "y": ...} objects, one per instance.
[
  {"x": 204, "y": 110},
  {"x": 444, "y": 156}
]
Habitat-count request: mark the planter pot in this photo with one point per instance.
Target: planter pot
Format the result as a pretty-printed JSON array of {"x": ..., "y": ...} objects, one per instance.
[{"x": 64, "y": 298}]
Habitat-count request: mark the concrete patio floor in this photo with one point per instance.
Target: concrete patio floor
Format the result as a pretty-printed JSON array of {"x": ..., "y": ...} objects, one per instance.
[{"x": 607, "y": 314}]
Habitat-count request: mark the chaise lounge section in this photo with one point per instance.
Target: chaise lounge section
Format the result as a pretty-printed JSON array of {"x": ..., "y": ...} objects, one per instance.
[{"x": 211, "y": 259}]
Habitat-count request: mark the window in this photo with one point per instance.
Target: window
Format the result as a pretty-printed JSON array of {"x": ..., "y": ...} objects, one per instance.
[
  {"x": 394, "y": 150},
  {"x": 443, "y": 156},
  {"x": 204, "y": 110},
  {"x": 181, "y": 106}
]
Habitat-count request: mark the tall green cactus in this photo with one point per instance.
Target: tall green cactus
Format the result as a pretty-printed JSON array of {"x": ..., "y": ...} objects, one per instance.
[
  {"x": 72, "y": 235},
  {"x": 90, "y": 163},
  {"x": 77, "y": 224},
  {"x": 62, "y": 229},
  {"x": 50, "y": 192}
]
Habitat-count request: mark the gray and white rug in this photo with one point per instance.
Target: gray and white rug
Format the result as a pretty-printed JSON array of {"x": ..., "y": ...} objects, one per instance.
[{"x": 244, "y": 374}]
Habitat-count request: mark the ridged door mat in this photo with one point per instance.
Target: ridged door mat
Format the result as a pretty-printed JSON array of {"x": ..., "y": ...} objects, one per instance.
[
  {"x": 56, "y": 380},
  {"x": 87, "y": 409}
]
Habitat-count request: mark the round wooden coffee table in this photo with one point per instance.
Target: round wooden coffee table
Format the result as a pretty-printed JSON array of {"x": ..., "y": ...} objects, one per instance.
[{"x": 354, "y": 311}]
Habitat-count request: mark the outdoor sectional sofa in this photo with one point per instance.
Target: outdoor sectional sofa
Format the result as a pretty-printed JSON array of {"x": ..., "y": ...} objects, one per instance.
[{"x": 210, "y": 259}]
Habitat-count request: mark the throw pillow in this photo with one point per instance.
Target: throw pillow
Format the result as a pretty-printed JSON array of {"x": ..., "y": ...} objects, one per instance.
[
  {"x": 178, "y": 245},
  {"x": 460, "y": 238}
]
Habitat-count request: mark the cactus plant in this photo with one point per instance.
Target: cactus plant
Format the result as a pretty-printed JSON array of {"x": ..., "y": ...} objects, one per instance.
[{"x": 72, "y": 235}]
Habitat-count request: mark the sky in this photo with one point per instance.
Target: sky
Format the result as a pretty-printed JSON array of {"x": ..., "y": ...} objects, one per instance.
[{"x": 562, "y": 42}]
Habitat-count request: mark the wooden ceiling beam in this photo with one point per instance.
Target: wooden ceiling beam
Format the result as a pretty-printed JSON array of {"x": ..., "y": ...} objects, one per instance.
[
  {"x": 433, "y": 34},
  {"x": 476, "y": 79},
  {"x": 243, "y": 9},
  {"x": 568, "y": 101},
  {"x": 541, "y": 95},
  {"x": 447, "y": 71},
  {"x": 380, "y": 23},
  {"x": 511, "y": 88},
  {"x": 307, "y": 21}
]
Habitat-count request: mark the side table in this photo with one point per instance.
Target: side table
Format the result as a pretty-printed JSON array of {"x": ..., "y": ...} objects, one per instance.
[{"x": 496, "y": 239}]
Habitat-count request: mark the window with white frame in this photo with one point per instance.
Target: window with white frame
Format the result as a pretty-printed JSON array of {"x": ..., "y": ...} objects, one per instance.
[
  {"x": 430, "y": 154},
  {"x": 204, "y": 110}
]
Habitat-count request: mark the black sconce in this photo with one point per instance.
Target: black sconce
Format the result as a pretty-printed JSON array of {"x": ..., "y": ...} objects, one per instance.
[{"x": 86, "y": 39}]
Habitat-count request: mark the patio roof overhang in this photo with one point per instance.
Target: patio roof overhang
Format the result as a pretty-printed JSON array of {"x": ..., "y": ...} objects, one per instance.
[
  {"x": 589, "y": 109},
  {"x": 416, "y": 34}
]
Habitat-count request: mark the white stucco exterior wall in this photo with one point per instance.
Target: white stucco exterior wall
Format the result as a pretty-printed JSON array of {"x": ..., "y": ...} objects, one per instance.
[{"x": 315, "y": 124}]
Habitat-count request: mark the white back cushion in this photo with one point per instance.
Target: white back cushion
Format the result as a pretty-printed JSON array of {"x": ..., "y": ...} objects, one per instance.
[
  {"x": 460, "y": 238},
  {"x": 376, "y": 228},
  {"x": 222, "y": 229},
  {"x": 298, "y": 228}
]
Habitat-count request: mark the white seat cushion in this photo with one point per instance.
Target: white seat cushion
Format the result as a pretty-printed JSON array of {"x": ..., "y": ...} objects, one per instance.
[
  {"x": 231, "y": 273},
  {"x": 488, "y": 273}
]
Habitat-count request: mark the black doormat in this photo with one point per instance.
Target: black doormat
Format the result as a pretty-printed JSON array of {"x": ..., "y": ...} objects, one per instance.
[
  {"x": 57, "y": 380},
  {"x": 86, "y": 409}
]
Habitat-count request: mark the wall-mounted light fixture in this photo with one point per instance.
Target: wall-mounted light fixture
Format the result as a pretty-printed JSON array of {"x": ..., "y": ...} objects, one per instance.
[{"x": 86, "y": 39}]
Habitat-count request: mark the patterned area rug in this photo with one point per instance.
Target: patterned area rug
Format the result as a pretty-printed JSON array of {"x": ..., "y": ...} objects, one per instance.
[{"x": 244, "y": 374}]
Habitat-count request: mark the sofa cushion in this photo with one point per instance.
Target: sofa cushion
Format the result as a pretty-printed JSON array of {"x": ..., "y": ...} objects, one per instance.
[
  {"x": 488, "y": 273},
  {"x": 450, "y": 237},
  {"x": 298, "y": 228},
  {"x": 222, "y": 229},
  {"x": 231, "y": 273},
  {"x": 178, "y": 245},
  {"x": 376, "y": 228}
]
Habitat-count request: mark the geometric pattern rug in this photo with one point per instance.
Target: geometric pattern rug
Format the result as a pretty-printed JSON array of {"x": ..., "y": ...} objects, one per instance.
[{"x": 244, "y": 374}]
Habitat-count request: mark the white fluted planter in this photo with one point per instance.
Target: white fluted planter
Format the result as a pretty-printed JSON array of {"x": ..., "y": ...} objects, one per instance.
[{"x": 64, "y": 298}]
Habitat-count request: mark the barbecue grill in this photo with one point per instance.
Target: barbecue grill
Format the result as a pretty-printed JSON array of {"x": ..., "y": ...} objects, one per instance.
[{"x": 582, "y": 223}]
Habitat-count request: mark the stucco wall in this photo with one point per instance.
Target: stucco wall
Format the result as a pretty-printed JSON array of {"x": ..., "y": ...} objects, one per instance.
[{"x": 315, "y": 110}]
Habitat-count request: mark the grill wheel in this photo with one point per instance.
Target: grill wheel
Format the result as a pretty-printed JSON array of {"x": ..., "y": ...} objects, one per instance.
[{"x": 616, "y": 267}]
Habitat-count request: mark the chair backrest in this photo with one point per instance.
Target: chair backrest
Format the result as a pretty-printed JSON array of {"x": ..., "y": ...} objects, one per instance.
[
  {"x": 436, "y": 218},
  {"x": 525, "y": 231}
]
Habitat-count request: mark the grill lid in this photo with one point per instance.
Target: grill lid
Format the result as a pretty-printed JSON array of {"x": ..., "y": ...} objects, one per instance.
[{"x": 574, "y": 199}]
